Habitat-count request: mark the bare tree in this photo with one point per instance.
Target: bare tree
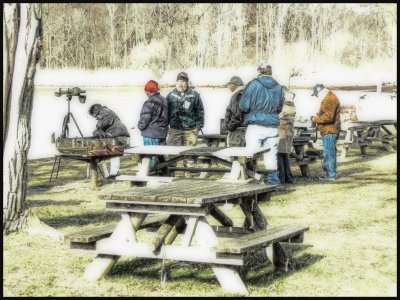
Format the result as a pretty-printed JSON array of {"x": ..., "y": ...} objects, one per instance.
[{"x": 21, "y": 47}]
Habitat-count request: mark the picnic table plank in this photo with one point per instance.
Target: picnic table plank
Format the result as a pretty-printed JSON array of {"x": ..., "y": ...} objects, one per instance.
[
  {"x": 260, "y": 238},
  {"x": 157, "y": 150},
  {"x": 203, "y": 191},
  {"x": 99, "y": 232}
]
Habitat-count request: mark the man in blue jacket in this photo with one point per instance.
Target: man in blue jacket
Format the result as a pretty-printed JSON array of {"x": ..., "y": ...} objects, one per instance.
[{"x": 262, "y": 102}]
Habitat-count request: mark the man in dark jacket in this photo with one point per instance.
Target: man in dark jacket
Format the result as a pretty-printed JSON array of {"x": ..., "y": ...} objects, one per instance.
[
  {"x": 153, "y": 121},
  {"x": 186, "y": 115},
  {"x": 109, "y": 126},
  {"x": 233, "y": 115},
  {"x": 328, "y": 122},
  {"x": 262, "y": 102}
]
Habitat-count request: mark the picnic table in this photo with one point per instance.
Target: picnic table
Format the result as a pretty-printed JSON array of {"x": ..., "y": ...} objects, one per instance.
[
  {"x": 213, "y": 140},
  {"x": 93, "y": 162},
  {"x": 304, "y": 136},
  {"x": 361, "y": 134},
  {"x": 240, "y": 162},
  {"x": 182, "y": 232}
]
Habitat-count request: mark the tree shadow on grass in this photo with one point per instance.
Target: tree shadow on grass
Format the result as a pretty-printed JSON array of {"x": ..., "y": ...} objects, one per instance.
[
  {"x": 82, "y": 219},
  {"x": 40, "y": 203},
  {"x": 176, "y": 271},
  {"x": 263, "y": 272},
  {"x": 257, "y": 268}
]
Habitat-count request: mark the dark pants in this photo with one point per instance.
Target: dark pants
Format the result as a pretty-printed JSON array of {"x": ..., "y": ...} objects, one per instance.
[{"x": 285, "y": 174}]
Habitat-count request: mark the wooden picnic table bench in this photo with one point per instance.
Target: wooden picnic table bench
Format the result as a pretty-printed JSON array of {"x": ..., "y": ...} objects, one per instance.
[
  {"x": 186, "y": 234},
  {"x": 360, "y": 134}
]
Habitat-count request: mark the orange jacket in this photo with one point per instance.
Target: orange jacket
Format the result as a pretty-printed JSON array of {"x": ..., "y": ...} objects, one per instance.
[{"x": 328, "y": 117}]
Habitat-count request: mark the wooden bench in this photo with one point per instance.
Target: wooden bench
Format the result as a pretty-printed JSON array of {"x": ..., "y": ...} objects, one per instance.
[
  {"x": 269, "y": 239},
  {"x": 262, "y": 238},
  {"x": 86, "y": 239}
]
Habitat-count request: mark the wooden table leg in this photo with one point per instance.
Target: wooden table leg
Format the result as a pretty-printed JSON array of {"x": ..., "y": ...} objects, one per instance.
[
  {"x": 228, "y": 276},
  {"x": 230, "y": 279},
  {"x": 343, "y": 153},
  {"x": 93, "y": 174},
  {"x": 277, "y": 256},
  {"x": 100, "y": 266},
  {"x": 254, "y": 216},
  {"x": 305, "y": 171},
  {"x": 124, "y": 232}
]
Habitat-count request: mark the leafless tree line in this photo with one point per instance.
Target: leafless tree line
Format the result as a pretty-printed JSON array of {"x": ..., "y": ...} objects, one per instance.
[{"x": 171, "y": 35}]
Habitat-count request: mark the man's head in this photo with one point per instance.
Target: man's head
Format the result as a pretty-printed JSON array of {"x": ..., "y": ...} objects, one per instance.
[
  {"x": 95, "y": 109},
  {"x": 182, "y": 81},
  {"x": 234, "y": 83},
  {"x": 264, "y": 68},
  {"x": 151, "y": 87},
  {"x": 317, "y": 88}
]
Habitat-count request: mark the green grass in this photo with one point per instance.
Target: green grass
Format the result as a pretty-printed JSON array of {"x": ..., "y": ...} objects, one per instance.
[{"x": 350, "y": 249}]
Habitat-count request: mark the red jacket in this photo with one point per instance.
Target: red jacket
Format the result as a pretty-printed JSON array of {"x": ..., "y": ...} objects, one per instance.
[{"x": 328, "y": 117}]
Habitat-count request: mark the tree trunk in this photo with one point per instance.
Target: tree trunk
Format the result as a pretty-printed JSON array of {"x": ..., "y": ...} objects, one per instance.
[{"x": 21, "y": 48}]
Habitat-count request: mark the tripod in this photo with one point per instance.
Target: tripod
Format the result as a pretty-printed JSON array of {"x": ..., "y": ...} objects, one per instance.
[{"x": 65, "y": 128}]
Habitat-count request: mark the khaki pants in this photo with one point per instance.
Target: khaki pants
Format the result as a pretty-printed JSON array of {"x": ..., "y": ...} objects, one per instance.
[{"x": 178, "y": 137}]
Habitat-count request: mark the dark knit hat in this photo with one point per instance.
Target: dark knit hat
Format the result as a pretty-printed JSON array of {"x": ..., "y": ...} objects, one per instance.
[
  {"x": 94, "y": 109},
  {"x": 236, "y": 80},
  {"x": 317, "y": 88},
  {"x": 151, "y": 86},
  {"x": 182, "y": 76}
]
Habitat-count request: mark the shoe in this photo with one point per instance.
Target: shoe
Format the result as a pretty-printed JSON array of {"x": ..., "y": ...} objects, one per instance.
[{"x": 326, "y": 178}]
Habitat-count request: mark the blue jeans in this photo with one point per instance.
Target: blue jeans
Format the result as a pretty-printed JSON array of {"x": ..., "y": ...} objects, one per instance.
[
  {"x": 150, "y": 141},
  {"x": 329, "y": 154}
]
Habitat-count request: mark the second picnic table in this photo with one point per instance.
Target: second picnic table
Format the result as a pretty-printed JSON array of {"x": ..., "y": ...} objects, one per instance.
[
  {"x": 185, "y": 234},
  {"x": 240, "y": 162}
]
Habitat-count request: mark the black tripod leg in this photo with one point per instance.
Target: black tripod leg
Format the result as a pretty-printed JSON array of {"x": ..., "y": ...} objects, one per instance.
[
  {"x": 58, "y": 168},
  {"x": 76, "y": 124},
  {"x": 52, "y": 170}
]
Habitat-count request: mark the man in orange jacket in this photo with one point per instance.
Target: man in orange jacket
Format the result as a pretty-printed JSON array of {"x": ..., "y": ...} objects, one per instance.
[{"x": 328, "y": 123}]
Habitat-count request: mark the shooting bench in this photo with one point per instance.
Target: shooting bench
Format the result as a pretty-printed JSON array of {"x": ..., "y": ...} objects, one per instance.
[
  {"x": 362, "y": 134},
  {"x": 186, "y": 234},
  {"x": 90, "y": 150}
]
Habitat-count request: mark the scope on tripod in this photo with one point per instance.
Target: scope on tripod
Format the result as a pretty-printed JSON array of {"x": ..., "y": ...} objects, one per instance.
[{"x": 69, "y": 92}]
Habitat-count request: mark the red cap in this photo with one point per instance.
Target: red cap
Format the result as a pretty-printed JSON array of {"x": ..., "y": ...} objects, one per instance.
[{"x": 151, "y": 86}]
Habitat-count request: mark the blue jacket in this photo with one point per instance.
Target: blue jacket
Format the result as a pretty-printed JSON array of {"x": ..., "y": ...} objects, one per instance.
[
  {"x": 262, "y": 102},
  {"x": 185, "y": 110},
  {"x": 153, "y": 122}
]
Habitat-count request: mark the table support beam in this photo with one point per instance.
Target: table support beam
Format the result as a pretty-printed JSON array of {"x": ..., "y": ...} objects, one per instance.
[
  {"x": 230, "y": 279},
  {"x": 100, "y": 266}
]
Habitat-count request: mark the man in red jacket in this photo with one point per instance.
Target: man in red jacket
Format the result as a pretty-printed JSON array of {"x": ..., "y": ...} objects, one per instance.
[{"x": 328, "y": 123}]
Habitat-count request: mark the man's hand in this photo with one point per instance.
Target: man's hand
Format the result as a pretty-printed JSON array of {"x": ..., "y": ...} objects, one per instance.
[{"x": 313, "y": 124}]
